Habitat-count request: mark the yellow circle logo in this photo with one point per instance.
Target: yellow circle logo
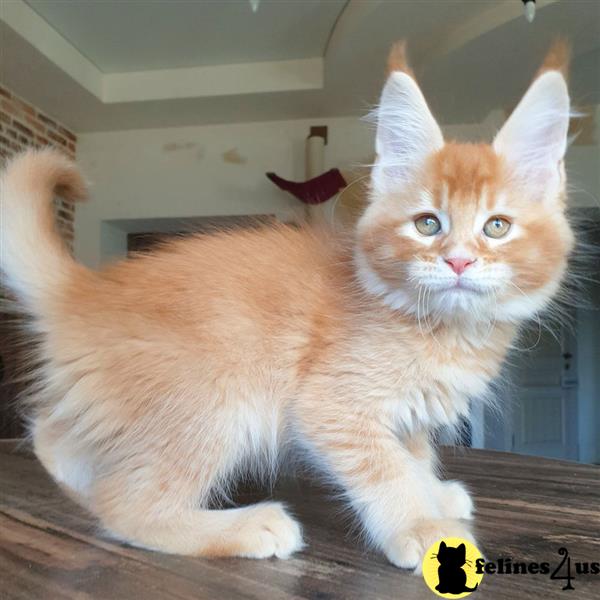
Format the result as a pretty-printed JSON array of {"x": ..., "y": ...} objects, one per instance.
[{"x": 449, "y": 568}]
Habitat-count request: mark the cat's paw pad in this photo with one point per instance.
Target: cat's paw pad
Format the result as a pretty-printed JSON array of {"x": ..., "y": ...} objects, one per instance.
[
  {"x": 406, "y": 548},
  {"x": 269, "y": 531},
  {"x": 454, "y": 500}
]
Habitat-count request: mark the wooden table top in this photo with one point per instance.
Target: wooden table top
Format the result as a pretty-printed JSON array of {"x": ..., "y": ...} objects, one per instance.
[{"x": 527, "y": 508}]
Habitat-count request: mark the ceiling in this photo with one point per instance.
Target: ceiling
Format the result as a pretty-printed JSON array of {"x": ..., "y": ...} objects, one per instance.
[
  {"x": 122, "y": 36},
  {"x": 123, "y": 65}
]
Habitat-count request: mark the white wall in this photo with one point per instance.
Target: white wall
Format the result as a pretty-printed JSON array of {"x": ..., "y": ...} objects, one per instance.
[{"x": 182, "y": 173}]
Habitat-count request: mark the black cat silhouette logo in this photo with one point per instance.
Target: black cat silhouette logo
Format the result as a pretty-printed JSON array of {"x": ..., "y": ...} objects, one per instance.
[
  {"x": 453, "y": 579},
  {"x": 449, "y": 568}
]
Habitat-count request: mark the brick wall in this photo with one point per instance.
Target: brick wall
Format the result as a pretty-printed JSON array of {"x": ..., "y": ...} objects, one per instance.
[{"x": 22, "y": 126}]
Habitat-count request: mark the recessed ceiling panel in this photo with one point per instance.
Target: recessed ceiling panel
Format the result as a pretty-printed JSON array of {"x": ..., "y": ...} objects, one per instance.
[{"x": 120, "y": 36}]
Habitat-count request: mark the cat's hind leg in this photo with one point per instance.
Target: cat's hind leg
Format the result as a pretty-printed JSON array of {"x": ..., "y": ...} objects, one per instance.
[
  {"x": 159, "y": 499},
  {"x": 70, "y": 467},
  {"x": 157, "y": 496},
  {"x": 258, "y": 531}
]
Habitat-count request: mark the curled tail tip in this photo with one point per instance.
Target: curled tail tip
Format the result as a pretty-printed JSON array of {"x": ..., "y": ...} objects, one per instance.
[
  {"x": 46, "y": 168},
  {"x": 33, "y": 259}
]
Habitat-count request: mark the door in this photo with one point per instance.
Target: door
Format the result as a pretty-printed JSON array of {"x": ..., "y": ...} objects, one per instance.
[{"x": 544, "y": 416}]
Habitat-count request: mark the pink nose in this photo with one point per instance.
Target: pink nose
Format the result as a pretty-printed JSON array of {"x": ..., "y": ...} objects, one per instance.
[{"x": 459, "y": 265}]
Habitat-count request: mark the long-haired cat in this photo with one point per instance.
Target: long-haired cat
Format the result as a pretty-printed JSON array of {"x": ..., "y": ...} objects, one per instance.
[{"x": 165, "y": 375}]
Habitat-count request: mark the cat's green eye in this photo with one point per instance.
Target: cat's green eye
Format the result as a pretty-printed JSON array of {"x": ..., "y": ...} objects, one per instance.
[
  {"x": 496, "y": 227},
  {"x": 428, "y": 224}
]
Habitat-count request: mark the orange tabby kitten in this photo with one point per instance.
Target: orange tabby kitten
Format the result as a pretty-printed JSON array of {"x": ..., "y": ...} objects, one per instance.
[{"x": 166, "y": 374}]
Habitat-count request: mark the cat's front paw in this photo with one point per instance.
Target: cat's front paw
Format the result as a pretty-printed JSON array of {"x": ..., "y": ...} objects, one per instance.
[
  {"x": 454, "y": 500},
  {"x": 406, "y": 548}
]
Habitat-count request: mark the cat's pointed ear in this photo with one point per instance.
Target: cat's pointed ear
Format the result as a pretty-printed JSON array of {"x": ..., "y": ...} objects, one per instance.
[
  {"x": 407, "y": 133},
  {"x": 533, "y": 140},
  {"x": 442, "y": 546}
]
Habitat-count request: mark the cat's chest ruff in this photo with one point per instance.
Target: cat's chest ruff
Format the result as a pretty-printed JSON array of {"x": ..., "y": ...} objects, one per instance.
[{"x": 436, "y": 393}]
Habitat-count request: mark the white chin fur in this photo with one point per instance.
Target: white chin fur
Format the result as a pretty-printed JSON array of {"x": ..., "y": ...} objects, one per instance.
[
  {"x": 526, "y": 306},
  {"x": 441, "y": 303},
  {"x": 452, "y": 304}
]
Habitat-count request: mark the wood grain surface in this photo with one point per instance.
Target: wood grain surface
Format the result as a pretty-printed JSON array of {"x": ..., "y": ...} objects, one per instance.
[{"x": 527, "y": 508}]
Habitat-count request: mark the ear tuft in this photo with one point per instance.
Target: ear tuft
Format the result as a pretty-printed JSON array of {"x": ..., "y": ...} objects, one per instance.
[
  {"x": 557, "y": 58},
  {"x": 397, "y": 60}
]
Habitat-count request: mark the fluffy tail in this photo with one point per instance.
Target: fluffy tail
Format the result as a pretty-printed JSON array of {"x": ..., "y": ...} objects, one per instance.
[{"x": 33, "y": 258}]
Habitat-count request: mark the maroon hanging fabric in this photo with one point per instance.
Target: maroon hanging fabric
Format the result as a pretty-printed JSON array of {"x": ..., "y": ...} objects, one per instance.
[{"x": 314, "y": 191}]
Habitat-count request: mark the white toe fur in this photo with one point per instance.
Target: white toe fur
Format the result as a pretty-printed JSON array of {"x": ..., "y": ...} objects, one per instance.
[
  {"x": 455, "y": 501},
  {"x": 407, "y": 548}
]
